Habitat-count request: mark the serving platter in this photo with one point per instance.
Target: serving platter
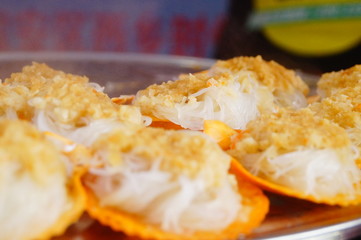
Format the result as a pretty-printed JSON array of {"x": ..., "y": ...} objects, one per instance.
[{"x": 124, "y": 74}]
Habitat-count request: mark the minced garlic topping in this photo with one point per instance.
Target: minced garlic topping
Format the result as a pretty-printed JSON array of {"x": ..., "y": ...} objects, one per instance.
[
  {"x": 71, "y": 99},
  {"x": 331, "y": 82},
  {"x": 288, "y": 131},
  {"x": 180, "y": 153},
  {"x": 269, "y": 73},
  {"x": 22, "y": 143},
  {"x": 14, "y": 101},
  {"x": 343, "y": 107}
]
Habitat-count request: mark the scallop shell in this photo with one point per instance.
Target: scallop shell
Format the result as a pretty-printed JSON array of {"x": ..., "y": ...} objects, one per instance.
[{"x": 256, "y": 206}]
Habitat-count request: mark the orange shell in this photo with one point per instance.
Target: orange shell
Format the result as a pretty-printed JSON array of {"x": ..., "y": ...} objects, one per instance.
[
  {"x": 165, "y": 124},
  {"x": 223, "y": 135},
  {"x": 78, "y": 199},
  {"x": 283, "y": 190},
  {"x": 123, "y": 100},
  {"x": 252, "y": 198},
  {"x": 219, "y": 131}
]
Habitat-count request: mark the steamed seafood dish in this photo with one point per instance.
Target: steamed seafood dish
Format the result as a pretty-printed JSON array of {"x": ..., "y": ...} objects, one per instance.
[
  {"x": 40, "y": 195},
  {"x": 341, "y": 102},
  {"x": 233, "y": 91},
  {"x": 166, "y": 184},
  {"x": 66, "y": 104},
  {"x": 300, "y": 155}
]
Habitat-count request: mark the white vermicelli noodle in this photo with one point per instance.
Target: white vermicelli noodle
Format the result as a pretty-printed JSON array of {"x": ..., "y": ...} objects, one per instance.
[
  {"x": 22, "y": 215},
  {"x": 228, "y": 103},
  {"x": 44, "y": 122},
  {"x": 295, "y": 100},
  {"x": 318, "y": 172},
  {"x": 175, "y": 203},
  {"x": 88, "y": 134},
  {"x": 85, "y": 135},
  {"x": 96, "y": 86}
]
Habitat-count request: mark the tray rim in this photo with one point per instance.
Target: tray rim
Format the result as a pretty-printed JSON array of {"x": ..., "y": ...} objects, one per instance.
[{"x": 173, "y": 60}]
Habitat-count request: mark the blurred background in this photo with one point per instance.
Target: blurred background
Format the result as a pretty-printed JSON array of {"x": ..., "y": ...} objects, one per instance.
[
  {"x": 142, "y": 26},
  {"x": 313, "y": 36}
]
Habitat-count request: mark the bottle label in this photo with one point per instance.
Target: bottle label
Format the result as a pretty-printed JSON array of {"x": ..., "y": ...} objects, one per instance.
[{"x": 310, "y": 28}]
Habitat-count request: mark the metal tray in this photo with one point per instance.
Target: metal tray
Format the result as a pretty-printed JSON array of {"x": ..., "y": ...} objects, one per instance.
[{"x": 288, "y": 219}]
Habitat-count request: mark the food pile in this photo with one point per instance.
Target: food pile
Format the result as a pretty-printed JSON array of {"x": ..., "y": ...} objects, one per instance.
[{"x": 185, "y": 159}]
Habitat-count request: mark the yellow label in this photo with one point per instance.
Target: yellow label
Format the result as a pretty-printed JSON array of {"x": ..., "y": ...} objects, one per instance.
[{"x": 309, "y": 28}]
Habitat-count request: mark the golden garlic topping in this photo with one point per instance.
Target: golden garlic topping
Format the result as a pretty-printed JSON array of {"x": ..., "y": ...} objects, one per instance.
[
  {"x": 269, "y": 73},
  {"x": 71, "y": 99},
  {"x": 14, "y": 102},
  {"x": 287, "y": 131},
  {"x": 178, "y": 152},
  {"x": 343, "y": 107},
  {"x": 23, "y": 143},
  {"x": 331, "y": 82}
]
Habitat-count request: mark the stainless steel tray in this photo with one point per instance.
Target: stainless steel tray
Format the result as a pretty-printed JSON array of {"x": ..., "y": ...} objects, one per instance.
[
  {"x": 288, "y": 218},
  {"x": 119, "y": 73}
]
